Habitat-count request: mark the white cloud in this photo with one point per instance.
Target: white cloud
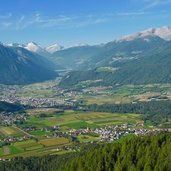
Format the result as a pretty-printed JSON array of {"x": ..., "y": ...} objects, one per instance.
[
  {"x": 41, "y": 21},
  {"x": 19, "y": 22},
  {"x": 37, "y": 20},
  {"x": 100, "y": 20},
  {"x": 154, "y": 3},
  {"x": 57, "y": 21},
  {"x": 133, "y": 13},
  {"x": 5, "y": 24},
  {"x": 6, "y": 16}
]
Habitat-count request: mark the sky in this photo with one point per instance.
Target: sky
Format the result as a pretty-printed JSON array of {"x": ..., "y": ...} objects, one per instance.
[{"x": 71, "y": 22}]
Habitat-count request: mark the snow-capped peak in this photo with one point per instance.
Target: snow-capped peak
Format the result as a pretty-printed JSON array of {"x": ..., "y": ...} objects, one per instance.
[
  {"x": 14, "y": 45},
  {"x": 163, "y": 32},
  {"x": 34, "y": 47},
  {"x": 54, "y": 48},
  {"x": 78, "y": 45}
]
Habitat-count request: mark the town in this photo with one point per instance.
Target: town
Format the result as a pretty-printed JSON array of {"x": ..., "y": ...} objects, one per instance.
[
  {"x": 14, "y": 95},
  {"x": 102, "y": 134}
]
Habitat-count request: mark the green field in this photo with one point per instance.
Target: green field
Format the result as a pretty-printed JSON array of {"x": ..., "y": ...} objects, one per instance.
[
  {"x": 12, "y": 131},
  {"x": 54, "y": 141},
  {"x": 106, "y": 69},
  {"x": 38, "y": 90},
  {"x": 71, "y": 119},
  {"x": 125, "y": 93},
  {"x": 38, "y": 133},
  {"x": 87, "y": 138},
  {"x": 32, "y": 147},
  {"x": 43, "y": 143},
  {"x": 115, "y": 94}
]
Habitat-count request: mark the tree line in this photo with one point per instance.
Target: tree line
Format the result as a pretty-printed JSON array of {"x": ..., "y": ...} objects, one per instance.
[
  {"x": 155, "y": 111},
  {"x": 151, "y": 153}
]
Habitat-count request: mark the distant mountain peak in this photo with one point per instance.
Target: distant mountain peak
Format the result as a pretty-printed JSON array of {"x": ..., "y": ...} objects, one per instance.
[
  {"x": 34, "y": 47},
  {"x": 54, "y": 48},
  {"x": 78, "y": 45},
  {"x": 162, "y": 32},
  {"x": 32, "y": 43},
  {"x": 14, "y": 45}
]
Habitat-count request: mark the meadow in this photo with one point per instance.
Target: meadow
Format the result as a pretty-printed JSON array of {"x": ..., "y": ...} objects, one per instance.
[
  {"x": 78, "y": 119},
  {"x": 43, "y": 143},
  {"x": 33, "y": 147},
  {"x": 11, "y": 131},
  {"x": 125, "y": 94}
]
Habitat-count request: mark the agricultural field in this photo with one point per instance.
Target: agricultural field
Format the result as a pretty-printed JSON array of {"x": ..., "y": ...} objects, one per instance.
[
  {"x": 78, "y": 119},
  {"x": 12, "y": 131},
  {"x": 47, "y": 111},
  {"x": 44, "y": 139},
  {"x": 87, "y": 138},
  {"x": 44, "y": 90},
  {"x": 89, "y": 94},
  {"x": 54, "y": 141},
  {"x": 106, "y": 69},
  {"x": 104, "y": 99},
  {"x": 32, "y": 147},
  {"x": 125, "y": 94}
]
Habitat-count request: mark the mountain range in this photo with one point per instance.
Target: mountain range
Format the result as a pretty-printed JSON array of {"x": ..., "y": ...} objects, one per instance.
[
  {"x": 20, "y": 66},
  {"x": 85, "y": 57},
  {"x": 139, "y": 58},
  {"x": 34, "y": 47},
  {"x": 163, "y": 33}
]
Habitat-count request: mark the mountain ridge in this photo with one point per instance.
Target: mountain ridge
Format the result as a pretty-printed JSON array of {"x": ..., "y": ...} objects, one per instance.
[
  {"x": 162, "y": 32},
  {"x": 20, "y": 66},
  {"x": 152, "y": 67}
]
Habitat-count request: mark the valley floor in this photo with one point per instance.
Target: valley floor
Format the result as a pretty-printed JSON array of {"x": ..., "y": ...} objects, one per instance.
[{"x": 57, "y": 123}]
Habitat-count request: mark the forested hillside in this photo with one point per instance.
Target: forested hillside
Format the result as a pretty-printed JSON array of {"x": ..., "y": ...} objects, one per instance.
[
  {"x": 151, "y": 69},
  {"x": 20, "y": 66},
  {"x": 89, "y": 57},
  {"x": 136, "y": 154},
  {"x": 157, "y": 112},
  {"x": 9, "y": 107}
]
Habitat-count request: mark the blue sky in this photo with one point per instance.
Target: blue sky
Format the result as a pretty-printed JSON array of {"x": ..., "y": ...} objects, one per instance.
[{"x": 69, "y": 22}]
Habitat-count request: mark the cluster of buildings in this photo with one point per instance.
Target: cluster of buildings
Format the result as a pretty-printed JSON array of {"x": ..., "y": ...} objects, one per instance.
[
  {"x": 44, "y": 102},
  {"x": 15, "y": 139},
  {"x": 37, "y": 102},
  {"x": 99, "y": 90},
  {"x": 15, "y": 95},
  {"x": 7, "y": 93},
  {"x": 111, "y": 133},
  {"x": 7, "y": 119}
]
